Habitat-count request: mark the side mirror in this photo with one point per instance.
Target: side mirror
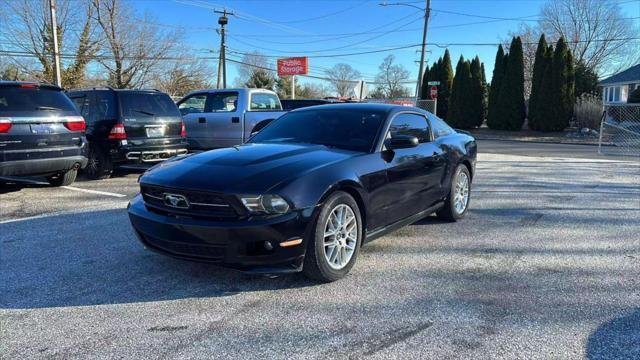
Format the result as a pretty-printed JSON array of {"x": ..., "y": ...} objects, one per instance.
[{"x": 401, "y": 142}]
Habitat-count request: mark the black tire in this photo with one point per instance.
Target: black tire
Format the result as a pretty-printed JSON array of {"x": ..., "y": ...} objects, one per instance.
[
  {"x": 63, "y": 179},
  {"x": 316, "y": 265},
  {"x": 99, "y": 165},
  {"x": 449, "y": 212}
]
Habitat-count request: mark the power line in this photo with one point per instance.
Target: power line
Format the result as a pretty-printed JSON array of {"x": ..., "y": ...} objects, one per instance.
[
  {"x": 323, "y": 16},
  {"x": 330, "y": 49}
]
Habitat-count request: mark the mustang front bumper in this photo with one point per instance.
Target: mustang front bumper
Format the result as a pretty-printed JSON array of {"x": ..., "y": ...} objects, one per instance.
[{"x": 252, "y": 244}]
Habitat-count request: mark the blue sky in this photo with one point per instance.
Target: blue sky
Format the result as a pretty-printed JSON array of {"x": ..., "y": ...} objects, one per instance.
[{"x": 296, "y": 28}]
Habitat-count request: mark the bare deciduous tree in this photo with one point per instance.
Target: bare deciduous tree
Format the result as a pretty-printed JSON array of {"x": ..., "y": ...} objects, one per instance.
[
  {"x": 391, "y": 77},
  {"x": 26, "y": 26},
  {"x": 133, "y": 46},
  {"x": 178, "y": 78},
  {"x": 589, "y": 26},
  {"x": 252, "y": 62},
  {"x": 342, "y": 77}
]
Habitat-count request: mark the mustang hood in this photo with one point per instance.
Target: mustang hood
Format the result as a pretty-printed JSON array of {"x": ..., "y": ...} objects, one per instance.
[{"x": 244, "y": 169}]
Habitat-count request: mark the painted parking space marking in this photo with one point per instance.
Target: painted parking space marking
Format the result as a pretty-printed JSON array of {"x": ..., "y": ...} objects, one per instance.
[
  {"x": 72, "y": 188},
  {"x": 94, "y": 191}
]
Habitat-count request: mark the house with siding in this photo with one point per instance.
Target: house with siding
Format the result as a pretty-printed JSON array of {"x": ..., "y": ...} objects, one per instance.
[{"x": 616, "y": 88}]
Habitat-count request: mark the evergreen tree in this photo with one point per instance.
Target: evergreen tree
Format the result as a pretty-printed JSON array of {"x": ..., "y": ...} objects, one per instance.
[
  {"x": 445, "y": 76},
  {"x": 425, "y": 80},
  {"x": 586, "y": 80},
  {"x": 511, "y": 108},
  {"x": 460, "y": 113},
  {"x": 476, "y": 102},
  {"x": 485, "y": 91},
  {"x": 494, "y": 91},
  {"x": 261, "y": 79},
  {"x": 539, "y": 66},
  {"x": 544, "y": 113},
  {"x": 562, "y": 87}
]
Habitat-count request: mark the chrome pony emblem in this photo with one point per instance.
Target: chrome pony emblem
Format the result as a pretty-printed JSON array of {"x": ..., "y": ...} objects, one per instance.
[{"x": 176, "y": 201}]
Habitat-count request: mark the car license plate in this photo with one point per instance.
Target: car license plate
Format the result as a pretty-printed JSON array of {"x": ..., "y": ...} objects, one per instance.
[
  {"x": 41, "y": 129},
  {"x": 155, "y": 131}
]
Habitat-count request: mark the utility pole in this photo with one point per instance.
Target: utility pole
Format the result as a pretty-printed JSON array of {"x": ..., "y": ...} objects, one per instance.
[
  {"x": 427, "y": 12},
  {"x": 293, "y": 86},
  {"x": 222, "y": 64},
  {"x": 54, "y": 31}
]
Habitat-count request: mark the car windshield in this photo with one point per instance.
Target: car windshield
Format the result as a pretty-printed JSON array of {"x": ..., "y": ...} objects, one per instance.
[
  {"x": 349, "y": 129},
  {"x": 33, "y": 100},
  {"x": 140, "y": 104}
]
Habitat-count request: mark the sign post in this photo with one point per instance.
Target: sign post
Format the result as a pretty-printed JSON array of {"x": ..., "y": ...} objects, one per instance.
[
  {"x": 292, "y": 67},
  {"x": 434, "y": 96},
  {"x": 361, "y": 90}
]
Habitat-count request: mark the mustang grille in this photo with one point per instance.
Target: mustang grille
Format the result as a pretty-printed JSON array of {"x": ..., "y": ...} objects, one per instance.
[{"x": 199, "y": 203}]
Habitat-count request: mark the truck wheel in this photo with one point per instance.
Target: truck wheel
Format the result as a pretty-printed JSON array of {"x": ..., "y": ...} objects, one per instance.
[
  {"x": 99, "y": 165},
  {"x": 63, "y": 179}
]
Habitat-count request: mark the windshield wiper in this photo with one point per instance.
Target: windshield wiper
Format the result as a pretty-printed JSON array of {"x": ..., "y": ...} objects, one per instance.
[
  {"x": 48, "y": 108},
  {"x": 143, "y": 112}
]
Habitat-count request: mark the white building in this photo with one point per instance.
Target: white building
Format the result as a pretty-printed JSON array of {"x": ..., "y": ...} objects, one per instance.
[{"x": 616, "y": 88}]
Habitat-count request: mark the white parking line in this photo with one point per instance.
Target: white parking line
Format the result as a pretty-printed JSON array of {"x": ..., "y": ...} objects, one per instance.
[
  {"x": 73, "y": 188},
  {"x": 94, "y": 191}
]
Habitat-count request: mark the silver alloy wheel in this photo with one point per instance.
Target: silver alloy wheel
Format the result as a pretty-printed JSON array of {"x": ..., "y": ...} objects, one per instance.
[
  {"x": 461, "y": 193},
  {"x": 340, "y": 236}
]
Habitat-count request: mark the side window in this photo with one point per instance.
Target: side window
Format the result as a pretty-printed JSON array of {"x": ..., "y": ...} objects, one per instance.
[
  {"x": 440, "y": 128},
  {"x": 264, "y": 102},
  {"x": 193, "y": 104},
  {"x": 106, "y": 108},
  {"x": 411, "y": 124},
  {"x": 222, "y": 102},
  {"x": 83, "y": 104}
]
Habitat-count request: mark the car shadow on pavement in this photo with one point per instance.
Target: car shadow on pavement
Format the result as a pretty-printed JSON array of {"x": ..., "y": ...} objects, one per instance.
[
  {"x": 9, "y": 186},
  {"x": 618, "y": 338},
  {"x": 93, "y": 258}
]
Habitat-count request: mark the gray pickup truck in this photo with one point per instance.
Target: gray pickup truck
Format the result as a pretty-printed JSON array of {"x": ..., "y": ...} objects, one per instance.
[{"x": 220, "y": 118}]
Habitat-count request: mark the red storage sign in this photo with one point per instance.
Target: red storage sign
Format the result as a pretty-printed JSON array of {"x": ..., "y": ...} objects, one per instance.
[{"x": 293, "y": 66}]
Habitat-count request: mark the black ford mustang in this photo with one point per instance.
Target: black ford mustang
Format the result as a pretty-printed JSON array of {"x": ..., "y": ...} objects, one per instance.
[{"x": 308, "y": 190}]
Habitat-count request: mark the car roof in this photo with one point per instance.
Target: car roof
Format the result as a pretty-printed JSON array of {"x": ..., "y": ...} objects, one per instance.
[
  {"x": 388, "y": 108},
  {"x": 39, "y": 84},
  {"x": 117, "y": 90}
]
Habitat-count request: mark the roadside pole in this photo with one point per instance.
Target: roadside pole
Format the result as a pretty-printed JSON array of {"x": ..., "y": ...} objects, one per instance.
[
  {"x": 293, "y": 86},
  {"x": 54, "y": 31},
  {"x": 427, "y": 12},
  {"x": 222, "y": 64}
]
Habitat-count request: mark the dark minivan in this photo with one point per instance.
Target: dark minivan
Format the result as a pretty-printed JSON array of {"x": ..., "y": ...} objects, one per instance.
[
  {"x": 41, "y": 133},
  {"x": 127, "y": 127}
]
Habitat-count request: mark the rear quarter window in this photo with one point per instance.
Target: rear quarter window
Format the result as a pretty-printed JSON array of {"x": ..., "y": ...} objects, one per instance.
[
  {"x": 439, "y": 127},
  {"x": 264, "y": 102}
]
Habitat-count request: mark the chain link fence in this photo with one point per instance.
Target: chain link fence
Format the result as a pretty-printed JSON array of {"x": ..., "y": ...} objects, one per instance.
[
  {"x": 429, "y": 105},
  {"x": 620, "y": 130}
]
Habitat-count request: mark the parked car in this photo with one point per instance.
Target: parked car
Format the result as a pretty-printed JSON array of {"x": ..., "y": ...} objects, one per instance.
[
  {"x": 226, "y": 117},
  {"x": 304, "y": 193},
  {"x": 41, "y": 133},
  {"x": 292, "y": 104},
  {"x": 127, "y": 127}
]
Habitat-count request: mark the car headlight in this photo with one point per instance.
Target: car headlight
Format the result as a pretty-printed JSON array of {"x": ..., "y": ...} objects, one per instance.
[{"x": 268, "y": 204}]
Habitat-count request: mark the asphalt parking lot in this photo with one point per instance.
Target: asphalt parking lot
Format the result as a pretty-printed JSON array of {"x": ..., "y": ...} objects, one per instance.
[{"x": 546, "y": 265}]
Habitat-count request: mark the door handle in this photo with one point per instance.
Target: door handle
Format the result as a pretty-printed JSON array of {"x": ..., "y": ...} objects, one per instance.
[
  {"x": 202, "y": 120},
  {"x": 235, "y": 119}
]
